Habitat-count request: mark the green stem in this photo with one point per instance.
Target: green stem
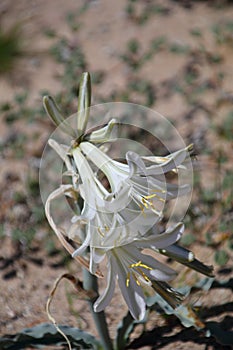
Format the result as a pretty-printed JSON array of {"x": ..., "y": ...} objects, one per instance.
[
  {"x": 84, "y": 102},
  {"x": 90, "y": 283}
]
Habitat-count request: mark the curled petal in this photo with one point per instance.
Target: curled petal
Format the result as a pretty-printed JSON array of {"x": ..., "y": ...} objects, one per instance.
[
  {"x": 121, "y": 200},
  {"x": 106, "y": 297},
  {"x": 132, "y": 294},
  {"x": 84, "y": 245},
  {"x": 97, "y": 255},
  {"x": 55, "y": 194},
  {"x": 135, "y": 163},
  {"x": 107, "y": 133},
  {"x": 163, "y": 240},
  {"x": 166, "y": 164}
]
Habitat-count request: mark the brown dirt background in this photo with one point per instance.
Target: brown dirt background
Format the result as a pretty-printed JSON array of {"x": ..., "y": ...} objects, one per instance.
[{"x": 27, "y": 278}]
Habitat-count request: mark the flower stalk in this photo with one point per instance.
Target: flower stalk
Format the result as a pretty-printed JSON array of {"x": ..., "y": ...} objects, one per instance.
[
  {"x": 84, "y": 102},
  {"x": 90, "y": 283}
]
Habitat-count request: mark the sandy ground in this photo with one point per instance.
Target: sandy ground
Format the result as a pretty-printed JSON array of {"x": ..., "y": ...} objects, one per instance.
[{"x": 105, "y": 29}]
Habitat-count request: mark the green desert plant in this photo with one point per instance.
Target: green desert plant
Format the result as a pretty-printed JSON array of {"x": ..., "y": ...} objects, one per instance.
[{"x": 10, "y": 47}]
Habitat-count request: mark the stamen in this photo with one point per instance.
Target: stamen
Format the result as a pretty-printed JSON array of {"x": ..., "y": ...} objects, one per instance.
[
  {"x": 158, "y": 190},
  {"x": 144, "y": 202},
  {"x": 127, "y": 279},
  {"x": 138, "y": 267},
  {"x": 148, "y": 204},
  {"x": 156, "y": 195},
  {"x": 146, "y": 278},
  {"x": 100, "y": 232},
  {"x": 150, "y": 196},
  {"x": 135, "y": 278},
  {"x": 160, "y": 198},
  {"x": 106, "y": 228},
  {"x": 141, "y": 207},
  {"x": 139, "y": 264}
]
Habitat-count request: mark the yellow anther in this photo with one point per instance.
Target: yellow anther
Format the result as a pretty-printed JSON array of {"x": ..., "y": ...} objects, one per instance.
[
  {"x": 146, "y": 278},
  {"x": 138, "y": 267},
  {"x": 143, "y": 210},
  {"x": 135, "y": 278},
  {"x": 135, "y": 264},
  {"x": 160, "y": 198},
  {"x": 144, "y": 202},
  {"x": 106, "y": 228},
  {"x": 150, "y": 196},
  {"x": 148, "y": 203},
  {"x": 100, "y": 232},
  {"x": 155, "y": 195},
  {"x": 127, "y": 279},
  {"x": 139, "y": 264}
]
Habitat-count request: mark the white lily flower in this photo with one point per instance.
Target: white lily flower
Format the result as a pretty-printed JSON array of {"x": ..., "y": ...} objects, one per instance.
[
  {"x": 133, "y": 269},
  {"x": 143, "y": 179},
  {"x": 134, "y": 204}
]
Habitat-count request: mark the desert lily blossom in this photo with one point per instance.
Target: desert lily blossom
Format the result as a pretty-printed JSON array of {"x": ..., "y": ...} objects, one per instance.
[
  {"x": 148, "y": 189},
  {"x": 109, "y": 227},
  {"x": 133, "y": 204},
  {"x": 117, "y": 221},
  {"x": 109, "y": 218},
  {"x": 134, "y": 270},
  {"x": 141, "y": 175}
]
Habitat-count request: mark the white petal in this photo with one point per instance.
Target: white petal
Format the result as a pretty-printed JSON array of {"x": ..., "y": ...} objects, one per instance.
[
  {"x": 171, "y": 162},
  {"x": 135, "y": 163},
  {"x": 174, "y": 191},
  {"x": 161, "y": 275},
  {"x": 121, "y": 200},
  {"x": 77, "y": 230},
  {"x": 96, "y": 256},
  {"x": 106, "y": 297},
  {"x": 61, "y": 150},
  {"x": 114, "y": 174},
  {"x": 84, "y": 245},
  {"x": 135, "y": 255},
  {"x": 134, "y": 297},
  {"x": 108, "y": 133},
  {"x": 89, "y": 180},
  {"x": 138, "y": 222},
  {"x": 132, "y": 294},
  {"x": 88, "y": 210},
  {"x": 163, "y": 240}
]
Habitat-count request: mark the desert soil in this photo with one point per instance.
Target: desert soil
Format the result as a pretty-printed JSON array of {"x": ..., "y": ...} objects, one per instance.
[{"x": 27, "y": 275}]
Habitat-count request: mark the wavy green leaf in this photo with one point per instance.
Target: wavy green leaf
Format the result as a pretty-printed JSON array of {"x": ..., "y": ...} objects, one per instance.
[
  {"x": 46, "y": 334},
  {"x": 125, "y": 327}
]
